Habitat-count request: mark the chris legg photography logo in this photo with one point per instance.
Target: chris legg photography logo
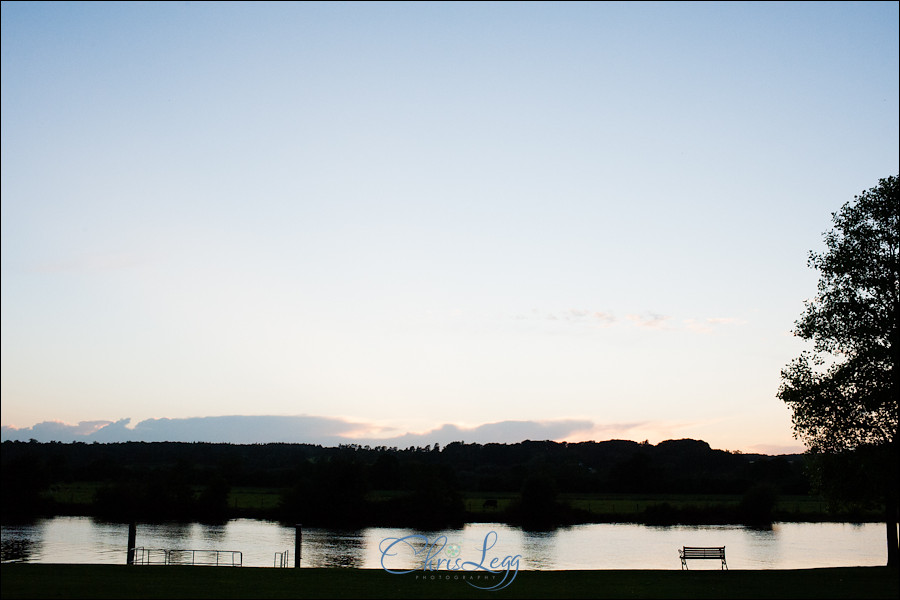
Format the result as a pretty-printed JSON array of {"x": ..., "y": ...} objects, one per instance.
[{"x": 436, "y": 560}]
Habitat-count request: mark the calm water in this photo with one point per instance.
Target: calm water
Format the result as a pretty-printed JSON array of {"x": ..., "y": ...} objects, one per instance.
[{"x": 596, "y": 546}]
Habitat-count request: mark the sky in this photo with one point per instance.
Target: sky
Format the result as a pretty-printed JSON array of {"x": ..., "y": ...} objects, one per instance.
[{"x": 430, "y": 221}]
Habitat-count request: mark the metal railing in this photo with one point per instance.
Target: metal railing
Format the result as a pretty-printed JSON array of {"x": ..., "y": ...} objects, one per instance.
[
  {"x": 213, "y": 558},
  {"x": 150, "y": 556},
  {"x": 282, "y": 559}
]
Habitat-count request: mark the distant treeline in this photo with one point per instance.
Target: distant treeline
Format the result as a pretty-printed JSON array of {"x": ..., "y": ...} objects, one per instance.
[{"x": 353, "y": 485}]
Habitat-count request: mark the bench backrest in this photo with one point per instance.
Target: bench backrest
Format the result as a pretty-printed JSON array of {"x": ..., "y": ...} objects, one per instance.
[{"x": 697, "y": 552}]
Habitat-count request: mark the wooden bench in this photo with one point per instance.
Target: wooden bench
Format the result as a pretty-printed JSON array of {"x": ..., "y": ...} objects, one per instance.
[{"x": 694, "y": 552}]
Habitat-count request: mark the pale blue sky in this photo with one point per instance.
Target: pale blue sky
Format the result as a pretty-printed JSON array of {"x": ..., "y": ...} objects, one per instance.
[{"x": 410, "y": 215}]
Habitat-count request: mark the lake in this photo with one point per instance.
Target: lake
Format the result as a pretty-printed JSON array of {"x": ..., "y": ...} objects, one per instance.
[{"x": 591, "y": 546}]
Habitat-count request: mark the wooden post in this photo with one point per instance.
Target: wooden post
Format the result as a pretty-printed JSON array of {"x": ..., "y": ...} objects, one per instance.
[
  {"x": 298, "y": 542},
  {"x": 132, "y": 536}
]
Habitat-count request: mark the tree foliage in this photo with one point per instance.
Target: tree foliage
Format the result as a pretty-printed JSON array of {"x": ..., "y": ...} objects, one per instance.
[{"x": 843, "y": 393}]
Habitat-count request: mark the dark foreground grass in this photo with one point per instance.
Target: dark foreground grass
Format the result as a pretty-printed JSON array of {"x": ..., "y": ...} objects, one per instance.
[{"x": 119, "y": 581}]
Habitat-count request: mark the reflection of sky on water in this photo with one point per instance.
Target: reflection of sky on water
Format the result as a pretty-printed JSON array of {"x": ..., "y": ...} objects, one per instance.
[
  {"x": 78, "y": 537},
  {"x": 596, "y": 546},
  {"x": 170, "y": 531},
  {"x": 18, "y": 544},
  {"x": 214, "y": 533},
  {"x": 327, "y": 548},
  {"x": 538, "y": 549}
]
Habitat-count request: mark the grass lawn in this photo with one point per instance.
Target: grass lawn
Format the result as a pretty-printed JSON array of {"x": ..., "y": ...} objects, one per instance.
[{"x": 120, "y": 581}]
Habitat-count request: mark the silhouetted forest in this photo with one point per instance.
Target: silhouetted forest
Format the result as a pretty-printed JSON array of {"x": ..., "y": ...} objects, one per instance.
[{"x": 352, "y": 485}]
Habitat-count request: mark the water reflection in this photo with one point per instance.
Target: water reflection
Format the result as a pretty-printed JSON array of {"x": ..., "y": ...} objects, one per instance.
[
  {"x": 538, "y": 549},
  {"x": 18, "y": 544},
  {"x": 214, "y": 533},
  {"x": 342, "y": 549},
  {"x": 176, "y": 532},
  {"x": 595, "y": 546}
]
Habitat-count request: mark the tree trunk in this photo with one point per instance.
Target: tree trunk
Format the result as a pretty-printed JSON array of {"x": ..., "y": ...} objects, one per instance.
[
  {"x": 893, "y": 551},
  {"x": 892, "y": 496}
]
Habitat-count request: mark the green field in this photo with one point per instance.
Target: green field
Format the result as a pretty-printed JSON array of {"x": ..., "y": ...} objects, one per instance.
[
  {"x": 119, "y": 581},
  {"x": 81, "y": 494},
  {"x": 245, "y": 498}
]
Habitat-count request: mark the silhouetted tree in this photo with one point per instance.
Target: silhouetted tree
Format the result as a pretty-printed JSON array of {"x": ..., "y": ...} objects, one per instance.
[
  {"x": 758, "y": 503},
  {"x": 353, "y": 485},
  {"x": 24, "y": 479},
  {"x": 539, "y": 493},
  {"x": 638, "y": 474},
  {"x": 843, "y": 394},
  {"x": 435, "y": 501},
  {"x": 332, "y": 493},
  {"x": 537, "y": 506},
  {"x": 213, "y": 502}
]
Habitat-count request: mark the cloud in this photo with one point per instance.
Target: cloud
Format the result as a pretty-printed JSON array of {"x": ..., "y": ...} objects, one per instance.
[
  {"x": 325, "y": 431},
  {"x": 54, "y": 431},
  {"x": 228, "y": 429},
  {"x": 246, "y": 429},
  {"x": 502, "y": 432},
  {"x": 603, "y": 319},
  {"x": 331, "y": 432},
  {"x": 649, "y": 320},
  {"x": 654, "y": 431},
  {"x": 574, "y": 315},
  {"x": 724, "y": 321}
]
